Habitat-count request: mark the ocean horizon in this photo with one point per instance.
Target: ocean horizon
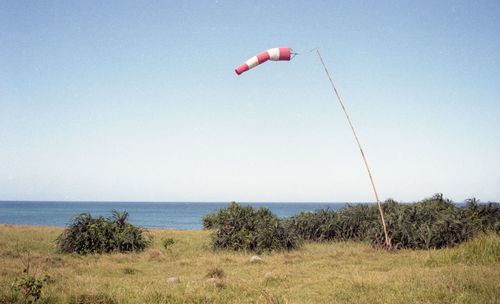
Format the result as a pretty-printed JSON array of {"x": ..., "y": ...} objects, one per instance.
[{"x": 170, "y": 215}]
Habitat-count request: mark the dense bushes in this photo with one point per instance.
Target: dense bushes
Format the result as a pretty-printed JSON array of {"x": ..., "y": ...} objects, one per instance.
[
  {"x": 98, "y": 235},
  {"x": 314, "y": 226},
  {"x": 240, "y": 227},
  {"x": 434, "y": 222},
  {"x": 354, "y": 222},
  {"x": 357, "y": 222},
  {"x": 485, "y": 217},
  {"x": 431, "y": 223}
]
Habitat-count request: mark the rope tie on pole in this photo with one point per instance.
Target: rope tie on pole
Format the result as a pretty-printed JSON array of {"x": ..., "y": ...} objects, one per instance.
[{"x": 388, "y": 244}]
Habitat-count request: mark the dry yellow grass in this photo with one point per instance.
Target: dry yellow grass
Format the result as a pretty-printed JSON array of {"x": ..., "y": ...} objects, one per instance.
[{"x": 317, "y": 273}]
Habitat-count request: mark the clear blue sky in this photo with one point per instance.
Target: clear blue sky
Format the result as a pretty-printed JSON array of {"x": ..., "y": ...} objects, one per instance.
[{"x": 131, "y": 100}]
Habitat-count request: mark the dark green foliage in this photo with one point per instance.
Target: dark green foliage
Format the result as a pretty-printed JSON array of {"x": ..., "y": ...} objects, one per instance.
[
  {"x": 434, "y": 222},
  {"x": 354, "y": 222},
  {"x": 208, "y": 221},
  {"x": 167, "y": 243},
  {"x": 128, "y": 270},
  {"x": 485, "y": 217},
  {"x": 240, "y": 227},
  {"x": 100, "y": 235},
  {"x": 320, "y": 225},
  {"x": 431, "y": 223},
  {"x": 30, "y": 287}
]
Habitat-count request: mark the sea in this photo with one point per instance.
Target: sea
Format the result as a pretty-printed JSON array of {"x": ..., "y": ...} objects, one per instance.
[{"x": 171, "y": 215}]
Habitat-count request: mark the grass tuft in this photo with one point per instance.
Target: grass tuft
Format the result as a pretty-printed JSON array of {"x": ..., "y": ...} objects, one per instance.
[
  {"x": 129, "y": 270},
  {"x": 215, "y": 272},
  {"x": 89, "y": 298}
]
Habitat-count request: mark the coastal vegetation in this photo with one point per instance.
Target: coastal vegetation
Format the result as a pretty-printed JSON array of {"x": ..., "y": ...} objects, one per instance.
[
  {"x": 432, "y": 223},
  {"x": 319, "y": 272},
  {"x": 87, "y": 234},
  {"x": 239, "y": 227},
  {"x": 323, "y": 256}
]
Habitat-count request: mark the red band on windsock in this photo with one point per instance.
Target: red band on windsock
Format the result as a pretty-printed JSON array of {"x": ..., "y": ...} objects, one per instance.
[
  {"x": 242, "y": 68},
  {"x": 263, "y": 57},
  {"x": 285, "y": 53}
]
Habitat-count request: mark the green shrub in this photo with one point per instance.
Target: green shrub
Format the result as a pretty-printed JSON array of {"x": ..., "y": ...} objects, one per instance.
[
  {"x": 354, "y": 222},
  {"x": 485, "y": 217},
  {"x": 424, "y": 225},
  {"x": 167, "y": 243},
  {"x": 208, "y": 221},
  {"x": 99, "y": 235},
  {"x": 128, "y": 270},
  {"x": 30, "y": 287},
  {"x": 240, "y": 227},
  {"x": 434, "y": 222},
  {"x": 319, "y": 225}
]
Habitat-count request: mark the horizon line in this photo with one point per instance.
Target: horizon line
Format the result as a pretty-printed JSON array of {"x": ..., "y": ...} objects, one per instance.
[{"x": 218, "y": 202}]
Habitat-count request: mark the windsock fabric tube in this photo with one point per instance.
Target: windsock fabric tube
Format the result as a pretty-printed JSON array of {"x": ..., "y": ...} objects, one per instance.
[{"x": 275, "y": 54}]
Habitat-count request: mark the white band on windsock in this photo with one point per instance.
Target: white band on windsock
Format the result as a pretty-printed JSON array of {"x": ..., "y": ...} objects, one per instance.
[
  {"x": 274, "y": 54},
  {"x": 252, "y": 62}
]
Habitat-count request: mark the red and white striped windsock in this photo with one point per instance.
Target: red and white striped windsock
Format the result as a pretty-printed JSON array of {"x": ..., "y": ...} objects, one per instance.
[{"x": 275, "y": 54}]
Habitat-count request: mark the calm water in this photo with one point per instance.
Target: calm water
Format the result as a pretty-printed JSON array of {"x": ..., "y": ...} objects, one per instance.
[{"x": 161, "y": 215}]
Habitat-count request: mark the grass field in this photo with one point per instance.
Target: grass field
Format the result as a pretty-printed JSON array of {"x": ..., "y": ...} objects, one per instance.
[{"x": 344, "y": 272}]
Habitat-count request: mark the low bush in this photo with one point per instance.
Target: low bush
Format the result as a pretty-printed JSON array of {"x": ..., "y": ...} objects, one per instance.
[
  {"x": 484, "y": 217},
  {"x": 129, "y": 270},
  {"x": 167, "y": 243},
  {"x": 320, "y": 225},
  {"x": 354, "y": 222},
  {"x": 101, "y": 235},
  {"x": 208, "y": 221},
  {"x": 431, "y": 223},
  {"x": 357, "y": 222},
  {"x": 434, "y": 222},
  {"x": 238, "y": 227},
  {"x": 30, "y": 287}
]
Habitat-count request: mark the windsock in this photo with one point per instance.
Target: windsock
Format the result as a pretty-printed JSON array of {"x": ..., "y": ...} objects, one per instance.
[{"x": 275, "y": 54}]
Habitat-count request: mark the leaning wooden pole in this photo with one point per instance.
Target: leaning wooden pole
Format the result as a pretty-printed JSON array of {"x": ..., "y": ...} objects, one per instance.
[{"x": 387, "y": 239}]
